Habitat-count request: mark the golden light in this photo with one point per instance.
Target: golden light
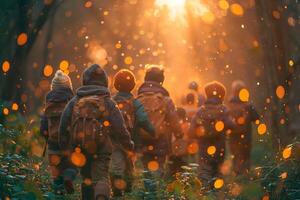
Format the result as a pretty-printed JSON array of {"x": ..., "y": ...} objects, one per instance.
[
  {"x": 219, "y": 183},
  {"x": 261, "y": 129},
  {"x": 280, "y": 92},
  {"x": 211, "y": 150},
  {"x": 244, "y": 95},
  {"x": 177, "y": 8},
  {"x": 153, "y": 165},
  {"x": 15, "y": 106},
  {"x": 5, "y": 66},
  {"x": 48, "y": 70},
  {"x": 219, "y": 126},
  {"x": 287, "y": 152}
]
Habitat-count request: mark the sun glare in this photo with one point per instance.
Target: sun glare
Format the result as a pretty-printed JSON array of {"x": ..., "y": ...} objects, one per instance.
[{"x": 177, "y": 8}]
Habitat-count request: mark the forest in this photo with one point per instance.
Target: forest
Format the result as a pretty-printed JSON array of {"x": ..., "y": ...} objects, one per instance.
[{"x": 193, "y": 46}]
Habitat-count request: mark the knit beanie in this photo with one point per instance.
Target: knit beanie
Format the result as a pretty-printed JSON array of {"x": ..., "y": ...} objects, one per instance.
[
  {"x": 155, "y": 73},
  {"x": 215, "y": 89},
  {"x": 124, "y": 81},
  {"x": 95, "y": 75},
  {"x": 61, "y": 80}
]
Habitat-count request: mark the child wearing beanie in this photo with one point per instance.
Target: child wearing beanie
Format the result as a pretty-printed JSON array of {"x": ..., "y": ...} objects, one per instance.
[
  {"x": 135, "y": 117},
  {"x": 59, "y": 95}
]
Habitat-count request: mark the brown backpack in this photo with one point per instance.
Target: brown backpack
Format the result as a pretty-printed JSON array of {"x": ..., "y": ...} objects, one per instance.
[
  {"x": 127, "y": 109},
  {"x": 53, "y": 111},
  {"x": 155, "y": 105},
  {"x": 89, "y": 127}
]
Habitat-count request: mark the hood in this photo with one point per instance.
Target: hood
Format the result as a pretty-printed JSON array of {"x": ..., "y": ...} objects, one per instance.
[
  {"x": 88, "y": 90},
  {"x": 151, "y": 86},
  {"x": 60, "y": 94},
  {"x": 95, "y": 75}
]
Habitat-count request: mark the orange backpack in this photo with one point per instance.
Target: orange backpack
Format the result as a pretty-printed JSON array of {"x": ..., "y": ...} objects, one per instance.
[
  {"x": 155, "y": 105},
  {"x": 89, "y": 128},
  {"x": 53, "y": 111}
]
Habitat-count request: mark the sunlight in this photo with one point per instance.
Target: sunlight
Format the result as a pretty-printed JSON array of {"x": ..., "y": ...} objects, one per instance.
[{"x": 177, "y": 8}]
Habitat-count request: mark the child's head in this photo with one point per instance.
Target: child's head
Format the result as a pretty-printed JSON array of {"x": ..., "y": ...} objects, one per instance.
[
  {"x": 237, "y": 86},
  {"x": 94, "y": 75},
  {"x": 124, "y": 81},
  {"x": 155, "y": 73},
  {"x": 215, "y": 89},
  {"x": 61, "y": 80}
]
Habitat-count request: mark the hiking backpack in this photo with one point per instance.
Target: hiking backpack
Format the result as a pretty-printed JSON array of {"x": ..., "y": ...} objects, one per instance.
[
  {"x": 208, "y": 116},
  {"x": 53, "y": 111},
  {"x": 155, "y": 105},
  {"x": 128, "y": 111},
  {"x": 89, "y": 127}
]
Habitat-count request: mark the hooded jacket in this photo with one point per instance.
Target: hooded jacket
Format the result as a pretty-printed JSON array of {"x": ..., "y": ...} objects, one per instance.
[
  {"x": 118, "y": 132},
  {"x": 171, "y": 116}
]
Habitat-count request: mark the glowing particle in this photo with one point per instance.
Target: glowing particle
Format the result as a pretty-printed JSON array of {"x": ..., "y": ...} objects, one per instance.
[
  {"x": 128, "y": 60},
  {"x": 193, "y": 148},
  {"x": 15, "y": 107},
  {"x": 88, "y": 181},
  {"x": 218, "y": 183},
  {"x": 105, "y": 13},
  {"x": 291, "y": 63},
  {"x": 120, "y": 184},
  {"x": 22, "y": 39},
  {"x": 64, "y": 65},
  {"x": 48, "y": 70},
  {"x": 219, "y": 126},
  {"x": 287, "y": 152},
  {"x": 118, "y": 46},
  {"x": 5, "y": 66},
  {"x": 106, "y": 123},
  {"x": 237, "y": 9},
  {"x": 211, "y": 150},
  {"x": 153, "y": 165},
  {"x": 208, "y": 17},
  {"x": 244, "y": 95},
  {"x": 88, "y": 4},
  {"x": 261, "y": 129},
  {"x": 280, "y": 92},
  {"x": 283, "y": 175},
  {"x": 223, "y": 4},
  {"x": 77, "y": 158},
  {"x": 5, "y": 111}
]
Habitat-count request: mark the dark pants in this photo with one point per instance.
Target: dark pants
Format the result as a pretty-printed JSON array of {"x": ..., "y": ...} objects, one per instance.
[
  {"x": 121, "y": 172},
  {"x": 241, "y": 150},
  {"x": 95, "y": 174}
]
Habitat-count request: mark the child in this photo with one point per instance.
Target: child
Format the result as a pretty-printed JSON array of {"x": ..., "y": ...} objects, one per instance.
[
  {"x": 208, "y": 127},
  {"x": 61, "y": 92},
  {"x": 135, "y": 117},
  {"x": 89, "y": 125},
  {"x": 243, "y": 114}
]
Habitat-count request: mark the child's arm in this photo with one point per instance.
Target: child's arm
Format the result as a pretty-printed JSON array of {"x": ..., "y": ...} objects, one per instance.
[
  {"x": 173, "y": 120},
  {"x": 142, "y": 118},
  {"x": 119, "y": 130}
]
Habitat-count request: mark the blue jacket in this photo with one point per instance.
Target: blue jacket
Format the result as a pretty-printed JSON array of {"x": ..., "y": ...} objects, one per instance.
[{"x": 118, "y": 133}]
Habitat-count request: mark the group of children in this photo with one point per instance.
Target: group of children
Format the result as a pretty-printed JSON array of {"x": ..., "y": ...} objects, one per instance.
[{"x": 99, "y": 135}]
